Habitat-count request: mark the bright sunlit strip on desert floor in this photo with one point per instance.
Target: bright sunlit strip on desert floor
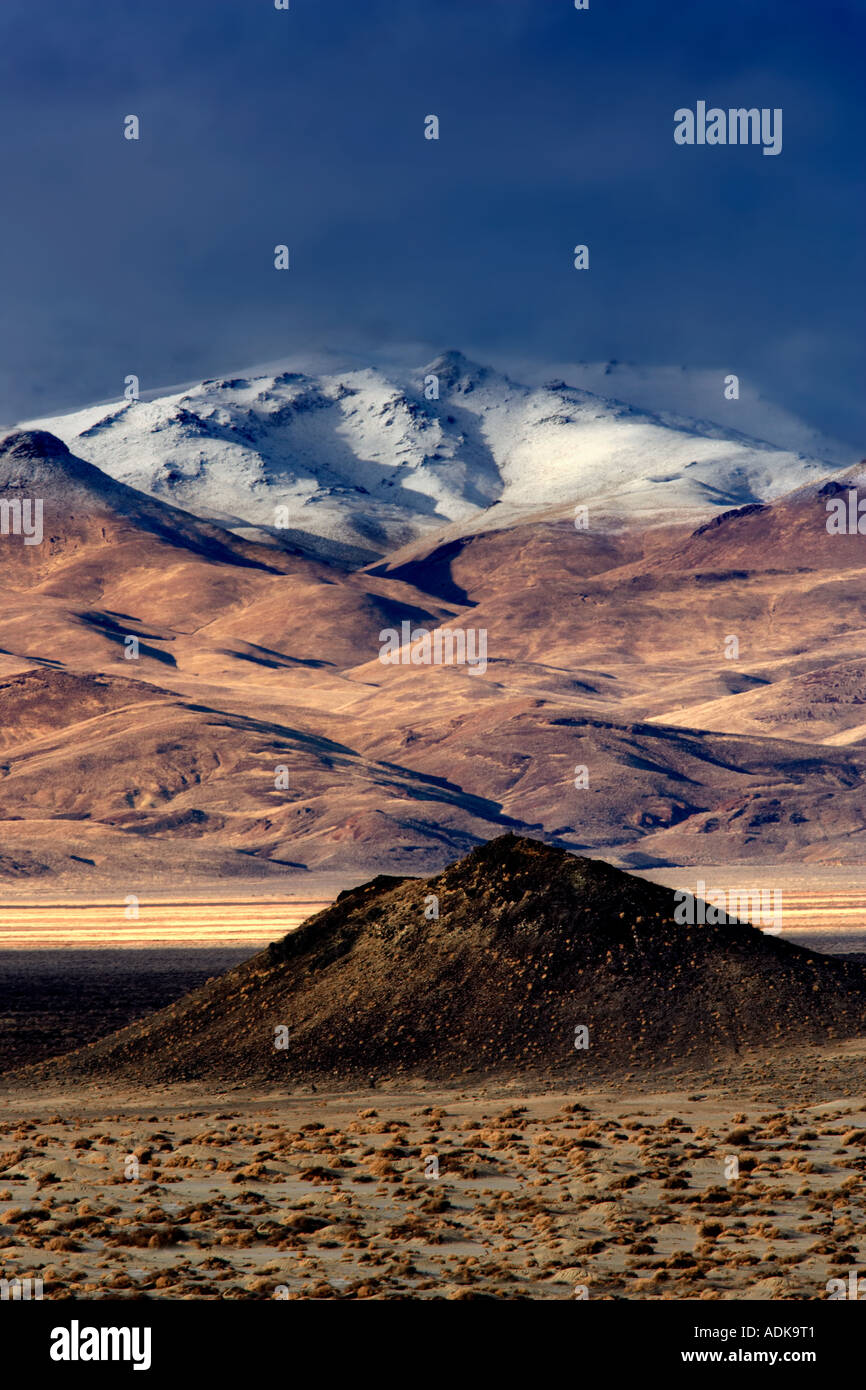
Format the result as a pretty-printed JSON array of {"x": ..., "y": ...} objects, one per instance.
[{"x": 158, "y": 924}]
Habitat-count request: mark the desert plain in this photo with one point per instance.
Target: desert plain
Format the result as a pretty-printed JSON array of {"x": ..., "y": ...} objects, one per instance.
[
  {"x": 542, "y": 1193},
  {"x": 684, "y": 1177}
]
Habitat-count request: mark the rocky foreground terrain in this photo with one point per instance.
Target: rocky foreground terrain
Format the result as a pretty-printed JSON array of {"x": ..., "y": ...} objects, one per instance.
[
  {"x": 741, "y": 1181},
  {"x": 521, "y": 1078}
]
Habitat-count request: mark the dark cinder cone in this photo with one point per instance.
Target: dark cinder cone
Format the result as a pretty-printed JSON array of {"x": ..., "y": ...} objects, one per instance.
[{"x": 530, "y": 944}]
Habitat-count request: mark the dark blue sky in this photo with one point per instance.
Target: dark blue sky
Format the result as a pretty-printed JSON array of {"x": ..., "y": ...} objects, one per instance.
[{"x": 306, "y": 127}]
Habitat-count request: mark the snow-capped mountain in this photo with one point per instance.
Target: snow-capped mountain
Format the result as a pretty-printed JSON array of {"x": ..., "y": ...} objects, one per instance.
[
  {"x": 696, "y": 393},
  {"x": 359, "y": 462}
]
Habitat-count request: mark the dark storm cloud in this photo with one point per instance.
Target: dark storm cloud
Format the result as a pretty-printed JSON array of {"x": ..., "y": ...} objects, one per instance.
[{"x": 306, "y": 127}]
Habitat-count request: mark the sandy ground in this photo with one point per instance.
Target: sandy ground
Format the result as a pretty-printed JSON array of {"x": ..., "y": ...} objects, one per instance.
[
  {"x": 141, "y": 922},
  {"x": 626, "y": 1192}
]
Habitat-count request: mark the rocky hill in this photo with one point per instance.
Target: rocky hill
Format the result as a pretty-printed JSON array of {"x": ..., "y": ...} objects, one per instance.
[{"x": 530, "y": 947}]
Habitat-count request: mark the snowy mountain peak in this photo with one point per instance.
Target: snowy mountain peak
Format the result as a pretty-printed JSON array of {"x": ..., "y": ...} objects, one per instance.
[
  {"x": 456, "y": 372},
  {"x": 359, "y": 462}
]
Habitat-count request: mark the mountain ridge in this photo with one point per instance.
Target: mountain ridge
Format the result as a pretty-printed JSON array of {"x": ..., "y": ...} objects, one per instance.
[{"x": 366, "y": 460}]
